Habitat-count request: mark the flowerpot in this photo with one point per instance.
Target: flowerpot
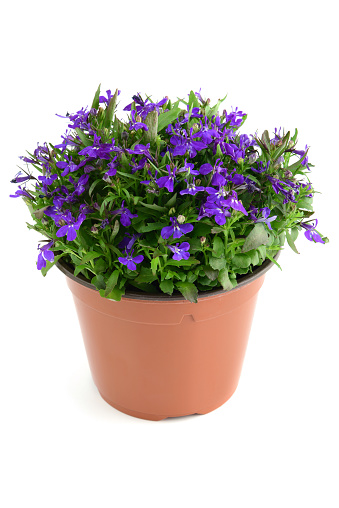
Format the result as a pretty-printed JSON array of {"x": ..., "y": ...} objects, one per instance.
[{"x": 155, "y": 357}]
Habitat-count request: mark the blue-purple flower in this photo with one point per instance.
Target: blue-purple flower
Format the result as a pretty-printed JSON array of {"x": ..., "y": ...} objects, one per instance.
[
  {"x": 125, "y": 214},
  {"x": 68, "y": 166},
  {"x": 233, "y": 202},
  {"x": 71, "y": 226},
  {"x": 311, "y": 233},
  {"x": 112, "y": 169},
  {"x": 176, "y": 229},
  {"x": 192, "y": 189},
  {"x": 167, "y": 181},
  {"x": 130, "y": 261},
  {"x": 21, "y": 192},
  {"x": 186, "y": 143},
  {"x": 265, "y": 217},
  {"x": 135, "y": 123},
  {"x": 180, "y": 251},
  {"x": 45, "y": 254}
]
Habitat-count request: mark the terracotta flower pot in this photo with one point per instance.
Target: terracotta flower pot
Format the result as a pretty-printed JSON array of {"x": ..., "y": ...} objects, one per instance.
[{"x": 155, "y": 357}]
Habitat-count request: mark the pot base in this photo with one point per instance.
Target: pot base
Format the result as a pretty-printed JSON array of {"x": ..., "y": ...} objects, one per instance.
[{"x": 157, "y": 418}]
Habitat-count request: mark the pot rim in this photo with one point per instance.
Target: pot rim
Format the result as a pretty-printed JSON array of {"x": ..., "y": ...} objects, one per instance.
[{"x": 67, "y": 270}]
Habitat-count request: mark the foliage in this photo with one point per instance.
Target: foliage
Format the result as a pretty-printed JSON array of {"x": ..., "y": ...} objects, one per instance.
[{"x": 172, "y": 199}]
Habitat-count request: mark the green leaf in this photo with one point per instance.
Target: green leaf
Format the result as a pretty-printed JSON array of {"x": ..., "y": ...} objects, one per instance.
[
  {"x": 306, "y": 204},
  {"x": 99, "y": 282},
  {"x": 273, "y": 260},
  {"x": 241, "y": 261},
  {"x": 265, "y": 138},
  {"x": 115, "y": 229},
  {"x": 210, "y": 273},
  {"x": 116, "y": 294},
  {"x": 193, "y": 101},
  {"x": 154, "y": 265},
  {"x": 168, "y": 117},
  {"x": 171, "y": 201},
  {"x": 224, "y": 279},
  {"x": 90, "y": 256},
  {"x": 154, "y": 207},
  {"x": 100, "y": 265},
  {"x": 217, "y": 263},
  {"x": 111, "y": 108},
  {"x": 167, "y": 286},
  {"x": 95, "y": 103},
  {"x": 281, "y": 149},
  {"x": 111, "y": 283},
  {"x": 218, "y": 247},
  {"x": 145, "y": 276},
  {"x": 188, "y": 290},
  {"x": 183, "y": 262},
  {"x": 145, "y": 228},
  {"x": 258, "y": 236},
  {"x": 291, "y": 237},
  {"x": 84, "y": 139}
]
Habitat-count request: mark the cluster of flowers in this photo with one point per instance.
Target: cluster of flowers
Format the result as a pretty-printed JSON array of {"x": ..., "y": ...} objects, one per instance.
[{"x": 114, "y": 196}]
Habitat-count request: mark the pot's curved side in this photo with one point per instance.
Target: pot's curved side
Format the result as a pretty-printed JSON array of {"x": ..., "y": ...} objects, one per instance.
[{"x": 154, "y": 360}]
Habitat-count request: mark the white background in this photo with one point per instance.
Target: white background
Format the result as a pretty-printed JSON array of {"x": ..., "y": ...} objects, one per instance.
[{"x": 275, "y": 442}]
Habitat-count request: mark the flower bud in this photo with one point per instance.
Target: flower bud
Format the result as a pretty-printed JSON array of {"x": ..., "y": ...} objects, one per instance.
[
  {"x": 252, "y": 157},
  {"x": 196, "y": 127},
  {"x": 181, "y": 219},
  {"x": 202, "y": 240},
  {"x": 171, "y": 211},
  {"x": 288, "y": 173},
  {"x": 240, "y": 160},
  {"x": 124, "y": 136},
  {"x": 152, "y": 123},
  {"x": 94, "y": 229}
]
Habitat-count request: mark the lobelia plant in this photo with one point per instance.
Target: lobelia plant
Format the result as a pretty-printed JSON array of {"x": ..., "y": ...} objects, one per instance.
[{"x": 172, "y": 199}]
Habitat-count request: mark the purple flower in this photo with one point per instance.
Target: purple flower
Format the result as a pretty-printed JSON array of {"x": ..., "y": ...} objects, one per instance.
[
  {"x": 213, "y": 209},
  {"x": 23, "y": 178},
  {"x": 45, "y": 255},
  {"x": 265, "y": 212},
  {"x": 21, "y": 192},
  {"x": 102, "y": 98},
  {"x": 127, "y": 243},
  {"x": 261, "y": 167},
  {"x": 216, "y": 195},
  {"x": 180, "y": 251},
  {"x": 176, "y": 229},
  {"x": 208, "y": 130},
  {"x": 188, "y": 168},
  {"x": 71, "y": 226},
  {"x": 135, "y": 124},
  {"x": 137, "y": 165},
  {"x": 112, "y": 169},
  {"x": 219, "y": 172},
  {"x": 144, "y": 107},
  {"x": 131, "y": 261},
  {"x": 80, "y": 185},
  {"x": 192, "y": 189},
  {"x": 183, "y": 143},
  {"x": 141, "y": 150},
  {"x": 97, "y": 150},
  {"x": 233, "y": 202},
  {"x": 125, "y": 215},
  {"x": 310, "y": 233},
  {"x": 167, "y": 181},
  {"x": 67, "y": 167}
]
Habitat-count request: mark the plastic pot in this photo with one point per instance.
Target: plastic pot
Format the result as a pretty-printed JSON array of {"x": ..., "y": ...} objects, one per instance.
[{"x": 155, "y": 357}]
